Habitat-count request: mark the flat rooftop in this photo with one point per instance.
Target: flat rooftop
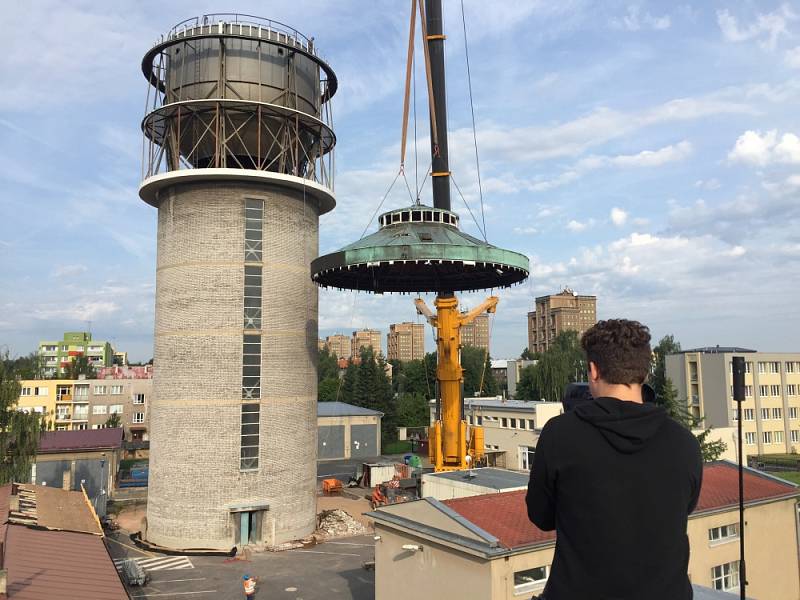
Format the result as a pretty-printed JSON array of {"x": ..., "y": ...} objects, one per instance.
[
  {"x": 487, "y": 477},
  {"x": 342, "y": 409}
]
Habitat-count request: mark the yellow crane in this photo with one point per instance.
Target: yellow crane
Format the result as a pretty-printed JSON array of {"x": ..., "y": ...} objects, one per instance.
[{"x": 452, "y": 444}]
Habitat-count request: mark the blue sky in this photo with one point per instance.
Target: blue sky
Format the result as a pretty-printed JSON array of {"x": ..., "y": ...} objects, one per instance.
[{"x": 647, "y": 153}]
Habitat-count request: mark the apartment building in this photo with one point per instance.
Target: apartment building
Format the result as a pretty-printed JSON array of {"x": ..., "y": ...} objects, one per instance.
[
  {"x": 56, "y": 355},
  {"x": 405, "y": 341},
  {"x": 510, "y": 427},
  {"x": 485, "y": 547},
  {"x": 364, "y": 338},
  {"x": 76, "y": 404},
  {"x": 559, "y": 312},
  {"x": 476, "y": 334},
  {"x": 770, "y": 413},
  {"x": 340, "y": 345}
]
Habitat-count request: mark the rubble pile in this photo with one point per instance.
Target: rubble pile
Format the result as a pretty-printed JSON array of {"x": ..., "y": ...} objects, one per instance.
[{"x": 337, "y": 523}]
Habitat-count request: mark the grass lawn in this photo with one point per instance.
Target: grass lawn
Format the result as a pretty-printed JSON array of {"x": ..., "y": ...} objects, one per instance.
[
  {"x": 397, "y": 447},
  {"x": 793, "y": 476}
]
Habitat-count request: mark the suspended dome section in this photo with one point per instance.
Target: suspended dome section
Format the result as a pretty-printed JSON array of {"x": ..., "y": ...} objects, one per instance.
[{"x": 419, "y": 249}]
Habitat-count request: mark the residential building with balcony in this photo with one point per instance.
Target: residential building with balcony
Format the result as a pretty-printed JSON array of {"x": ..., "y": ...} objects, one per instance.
[
  {"x": 76, "y": 404},
  {"x": 703, "y": 378},
  {"x": 364, "y": 338},
  {"x": 57, "y": 355},
  {"x": 339, "y": 344},
  {"x": 405, "y": 341},
  {"x": 559, "y": 312}
]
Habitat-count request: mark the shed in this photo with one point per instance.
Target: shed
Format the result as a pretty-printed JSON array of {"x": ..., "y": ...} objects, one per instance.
[
  {"x": 347, "y": 431},
  {"x": 472, "y": 482}
]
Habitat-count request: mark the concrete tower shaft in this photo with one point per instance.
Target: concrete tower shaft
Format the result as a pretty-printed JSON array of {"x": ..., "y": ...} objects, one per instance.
[{"x": 233, "y": 423}]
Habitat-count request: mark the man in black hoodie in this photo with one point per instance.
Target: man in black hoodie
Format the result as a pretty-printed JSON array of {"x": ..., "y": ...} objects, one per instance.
[{"x": 616, "y": 478}]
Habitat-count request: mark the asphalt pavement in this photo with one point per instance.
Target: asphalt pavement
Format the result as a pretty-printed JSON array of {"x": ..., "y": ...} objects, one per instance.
[{"x": 333, "y": 570}]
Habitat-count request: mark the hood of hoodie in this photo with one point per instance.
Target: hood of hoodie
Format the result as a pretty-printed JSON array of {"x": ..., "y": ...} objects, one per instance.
[{"x": 627, "y": 426}]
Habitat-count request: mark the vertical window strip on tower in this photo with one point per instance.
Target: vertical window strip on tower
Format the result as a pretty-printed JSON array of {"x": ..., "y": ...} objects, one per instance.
[
  {"x": 250, "y": 435},
  {"x": 251, "y": 367},
  {"x": 253, "y": 230},
  {"x": 252, "y": 297}
]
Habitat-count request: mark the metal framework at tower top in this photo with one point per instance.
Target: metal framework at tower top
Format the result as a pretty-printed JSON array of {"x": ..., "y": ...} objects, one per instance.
[
  {"x": 421, "y": 249},
  {"x": 239, "y": 92}
]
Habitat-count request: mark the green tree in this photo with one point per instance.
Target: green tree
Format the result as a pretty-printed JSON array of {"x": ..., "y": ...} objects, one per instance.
[
  {"x": 328, "y": 365},
  {"x": 412, "y": 411},
  {"x": 19, "y": 431},
  {"x": 478, "y": 378},
  {"x": 26, "y": 367},
  {"x": 562, "y": 363},
  {"x": 328, "y": 389},
  {"x": 527, "y": 355},
  {"x": 667, "y": 345},
  {"x": 113, "y": 420},
  {"x": 80, "y": 366},
  {"x": 347, "y": 389}
]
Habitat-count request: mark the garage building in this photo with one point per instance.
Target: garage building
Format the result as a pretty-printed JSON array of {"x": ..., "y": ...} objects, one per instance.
[{"x": 347, "y": 431}]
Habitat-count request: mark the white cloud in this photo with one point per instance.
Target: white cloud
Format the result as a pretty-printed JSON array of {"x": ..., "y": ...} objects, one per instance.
[
  {"x": 753, "y": 147},
  {"x": 635, "y": 20},
  {"x": 69, "y": 270},
  {"x": 767, "y": 28},
  {"x": 708, "y": 184},
  {"x": 576, "y": 226},
  {"x": 618, "y": 216},
  {"x": 526, "y": 230},
  {"x": 792, "y": 57}
]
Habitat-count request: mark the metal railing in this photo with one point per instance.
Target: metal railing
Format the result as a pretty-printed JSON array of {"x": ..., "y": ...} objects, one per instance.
[{"x": 213, "y": 19}]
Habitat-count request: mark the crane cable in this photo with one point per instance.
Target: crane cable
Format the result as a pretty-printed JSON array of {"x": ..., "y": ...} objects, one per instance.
[{"x": 428, "y": 79}]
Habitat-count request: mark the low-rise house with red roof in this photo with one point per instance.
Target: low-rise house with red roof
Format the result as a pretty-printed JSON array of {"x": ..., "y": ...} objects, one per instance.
[
  {"x": 53, "y": 547},
  {"x": 485, "y": 546}
]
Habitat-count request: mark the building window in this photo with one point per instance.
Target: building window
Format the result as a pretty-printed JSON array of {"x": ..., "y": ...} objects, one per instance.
[
  {"x": 735, "y": 414},
  {"x": 249, "y": 437},
  {"x": 790, "y": 367},
  {"x": 775, "y": 367},
  {"x": 725, "y": 577},
  {"x": 778, "y": 437},
  {"x": 80, "y": 426},
  {"x": 26, "y": 391},
  {"x": 253, "y": 230},
  {"x": 530, "y": 424},
  {"x": 503, "y": 422},
  {"x": 748, "y": 391},
  {"x": 138, "y": 398},
  {"x": 513, "y": 423},
  {"x": 767, "y": 437},
  {"x": 792, "y": 412},
  {"x": 791, "y": 389},
  {"x": 99, "y": 409},
  {"x": 775, "y": 390},
  {"x": 252, "y": 297},
  {"x": 138, "y": 417},
  {"x": 723, "y": 533},
  {"x": 480, "y": 420},
  {"x": 529, "y": 579},
  {"x": 763, "y": 390},
  {"x": 81, "y": 391},
  {"x": 764, "y": 414},
  {"x": 777, "y": 413},
  {"x": 115, "y": 409},
  {"x": 526, "y": 457},
  {"x": 762, "y": 367},
  {"x": 116, "y": 390},
  {"x": 795, "y": 435},
  {"x": 99, "y": 390},
  {"x": 251, "y": 367},
  {"x": 750, "y": 438}
]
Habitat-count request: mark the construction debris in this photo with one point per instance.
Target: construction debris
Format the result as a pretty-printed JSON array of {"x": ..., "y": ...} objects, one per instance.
[{"x": 338, "y": 523}]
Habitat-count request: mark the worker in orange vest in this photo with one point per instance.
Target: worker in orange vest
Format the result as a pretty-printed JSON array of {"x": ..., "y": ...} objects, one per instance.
[{"x": 249, "y": 584}]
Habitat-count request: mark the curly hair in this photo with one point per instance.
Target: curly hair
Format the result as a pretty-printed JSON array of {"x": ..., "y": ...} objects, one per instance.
[{"x": 621, "y": 350}]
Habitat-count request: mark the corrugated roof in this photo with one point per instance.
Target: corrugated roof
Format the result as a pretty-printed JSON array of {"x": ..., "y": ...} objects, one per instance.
[
  {"x": 721, "y": 487},
  {"x": 86, "y": 439},
  {"x": 505, "y": 515},
  {"x": 342, "y": 409},
  {"x": 44, "y": 564}
]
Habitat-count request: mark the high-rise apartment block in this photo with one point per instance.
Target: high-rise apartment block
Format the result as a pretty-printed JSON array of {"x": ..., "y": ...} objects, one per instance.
[
  {"x": 340, "y": 345},
  {"x": 559, "y": 312},
  {"x": 770, "y": 413},
  {"x": 476, "y": 334},
  {"x": 57, "y": 355},
  {"x": 405, "y": 341},
  {"x": 364, "y": 338}
]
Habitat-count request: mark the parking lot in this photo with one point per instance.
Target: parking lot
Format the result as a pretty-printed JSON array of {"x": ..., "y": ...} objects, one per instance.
[{"x": 330, "y": 571}]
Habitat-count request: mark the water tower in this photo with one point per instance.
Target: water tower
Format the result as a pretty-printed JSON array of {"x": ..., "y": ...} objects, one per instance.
[{"x": 238, "y": 159}]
